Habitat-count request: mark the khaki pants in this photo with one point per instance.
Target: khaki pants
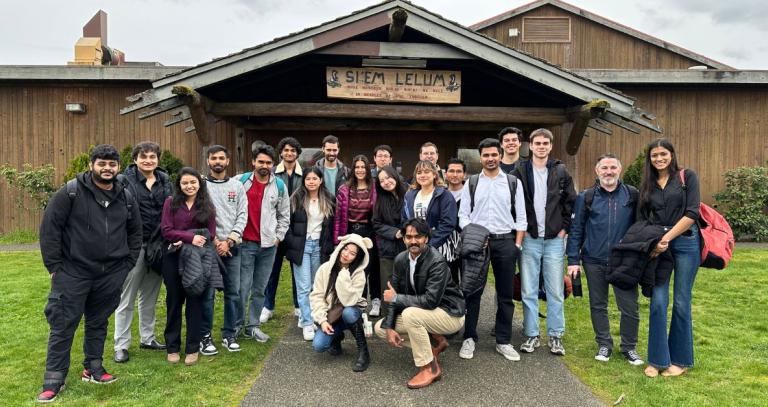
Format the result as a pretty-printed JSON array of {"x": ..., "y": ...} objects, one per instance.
[{"x": 415, "y": 324}]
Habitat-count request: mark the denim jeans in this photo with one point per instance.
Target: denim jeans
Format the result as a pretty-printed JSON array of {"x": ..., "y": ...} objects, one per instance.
[
  {"x": 232, "y": 302},
  {"x": 678, "y": 347},
  {"x": 304, "y": 276},
  {"x": 349, "y": 317},
  {"x": 543, "y": 256},
  {"x": 255, "y": 267}
]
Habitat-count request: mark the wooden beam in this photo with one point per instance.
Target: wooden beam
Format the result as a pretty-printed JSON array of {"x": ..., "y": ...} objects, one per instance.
[
  {"x": 397, "y": 26},
  {"x": 338, "y": 125},
  {"x": 601, "y": 126},
  {"x": 539, "y": 115},
  {"x": 397, "y": 50},
  {"x": 197, "y": 112},
  {"x": 161, "y": 107},
  {"x": 581, "y": 116},
  {"x": 178, "y": 116}
]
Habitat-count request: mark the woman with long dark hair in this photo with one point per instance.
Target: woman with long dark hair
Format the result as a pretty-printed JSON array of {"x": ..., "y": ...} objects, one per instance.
[
  {"x": 355, "y": 201},
  {"x": 187, "y": 216},
  {"x": 665, "y": 200},
  {"x": 337, "y": 299},
  {"x": 387, "y": 220},
  {"x": 429, "y": 200},
  {"x": 309, "y": 239}
]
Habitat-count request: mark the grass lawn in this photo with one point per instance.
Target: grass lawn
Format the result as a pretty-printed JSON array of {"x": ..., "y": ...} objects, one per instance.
[
  {"x": 19, "y": 237},
  {"x": 730, "y": 344},
  {"x": 147, "y": 379}
]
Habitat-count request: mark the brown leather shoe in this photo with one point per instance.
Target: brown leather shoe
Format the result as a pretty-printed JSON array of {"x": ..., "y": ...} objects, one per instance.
[
  {"x": 441, "y": 344},
  {"x": 427, "y": 375},
  {"x": 191, "y": 359},
  {"x": 173, "y": 357}
]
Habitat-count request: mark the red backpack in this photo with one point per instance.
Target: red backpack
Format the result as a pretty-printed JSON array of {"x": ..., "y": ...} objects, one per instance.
[{"x": 717, "y": 240}]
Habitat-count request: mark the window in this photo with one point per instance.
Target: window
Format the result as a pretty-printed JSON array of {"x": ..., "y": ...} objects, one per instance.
[{"x": 546, "y": 29}]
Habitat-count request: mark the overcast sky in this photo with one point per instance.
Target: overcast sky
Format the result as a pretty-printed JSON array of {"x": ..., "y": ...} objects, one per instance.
[{"x": 189, "y": 32}]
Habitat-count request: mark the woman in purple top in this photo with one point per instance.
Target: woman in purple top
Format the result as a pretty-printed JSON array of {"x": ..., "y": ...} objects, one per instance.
[
  {"x": 188, "y": 209},
  {"x": 355, "y": 201}
]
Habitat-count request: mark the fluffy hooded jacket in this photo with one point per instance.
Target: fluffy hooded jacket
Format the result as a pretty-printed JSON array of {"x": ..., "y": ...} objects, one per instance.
[
  {"x": 432, "y": 286},
  {"x": 349, "y": 283},
  {"x": 341, "y": 220},
  {"x": 442, "y": 214},
  {"x": 631, "y": 264},
  {"x": 474, "y": 258},
  {"x": 83, "y": 238}
]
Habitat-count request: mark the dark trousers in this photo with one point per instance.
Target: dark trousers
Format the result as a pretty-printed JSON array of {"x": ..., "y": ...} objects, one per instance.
[
  {"x": 626, "y": 301},
  {"x": 175, "y": 297},
  {"x": 504, "y": 256},
  {"x": 375, "y": 285},
  {"x": 70, "y": 299},
  {"x": 455, "y": 267},
  {"x": 274, "y": 279}
]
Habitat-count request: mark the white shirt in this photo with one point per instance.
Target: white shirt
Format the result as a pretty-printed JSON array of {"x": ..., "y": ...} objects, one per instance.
[
  {"x": 421, "y": 204},
  {"x": 492, "y": 205},
  {"x": 314, "y": 221},
  {"x": 540, "y": 177},
  {"x": 413, "y": 268}
]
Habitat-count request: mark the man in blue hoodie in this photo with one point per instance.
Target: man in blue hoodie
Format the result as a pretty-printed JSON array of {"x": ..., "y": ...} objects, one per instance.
[
  {"x": 601, "y": 216},
  {"x": 90, "y": 237}
]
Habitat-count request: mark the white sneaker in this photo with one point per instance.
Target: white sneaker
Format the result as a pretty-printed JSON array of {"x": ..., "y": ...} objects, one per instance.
[
  {"x": 508, "y": 351},
  {"x": 308, "y": 332},
  {"x": 375, "y": 308},
  {"x": 467, "y": 350},
  {"x": 266, "y": 314},
  {"x": 296, "y": 312}
]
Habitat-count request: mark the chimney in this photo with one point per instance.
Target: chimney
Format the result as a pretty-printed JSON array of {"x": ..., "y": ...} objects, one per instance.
[{"x": 92, "y": 48}]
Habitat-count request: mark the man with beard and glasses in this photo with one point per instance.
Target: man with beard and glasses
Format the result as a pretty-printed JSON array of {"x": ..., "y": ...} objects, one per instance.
[
  {"x": 150, "y": 185},
  {"x": 231, "y": 203},
  {"x": 601, "y": 216},
  {"x": 90, "y": 237},
  {"x": 335, "y": 173},
  {"x": 423, "y": 303},
  {"x": 268, "y": 219},
  {"x": 291, "y": 173}
]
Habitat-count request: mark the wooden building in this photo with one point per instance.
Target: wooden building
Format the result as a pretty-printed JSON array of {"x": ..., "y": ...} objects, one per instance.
[{"x": 556, "y": 72}]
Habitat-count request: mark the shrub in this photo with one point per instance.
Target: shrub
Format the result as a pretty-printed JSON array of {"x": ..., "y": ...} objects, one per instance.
[
  {"x": 37, "y": 183},
  {"x": 745, "y": 201},
  {"x": 78, "y": 164},
  {"x": 171, "y": 164},
  {"x": 126, "y": 157},
  {"x": 633, "y": 175}
]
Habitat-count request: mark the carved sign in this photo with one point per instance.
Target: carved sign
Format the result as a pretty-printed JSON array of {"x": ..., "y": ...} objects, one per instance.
[{"x": 394, "y": 85}]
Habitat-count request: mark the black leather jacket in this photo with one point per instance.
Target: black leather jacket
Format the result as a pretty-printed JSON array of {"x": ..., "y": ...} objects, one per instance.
[{"x": 433, "y": 286}]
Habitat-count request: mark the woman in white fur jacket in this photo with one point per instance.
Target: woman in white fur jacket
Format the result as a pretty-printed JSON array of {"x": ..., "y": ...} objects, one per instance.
[{"x": 337, "y": 299}]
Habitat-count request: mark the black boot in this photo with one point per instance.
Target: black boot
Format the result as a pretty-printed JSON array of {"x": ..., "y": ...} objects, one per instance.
[
  {"x": 335, "y": 349},
  {"x": 363, "y": 357}
]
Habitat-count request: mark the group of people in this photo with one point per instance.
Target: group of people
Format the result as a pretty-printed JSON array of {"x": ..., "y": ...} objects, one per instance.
[{"x": 419, "y": 250}]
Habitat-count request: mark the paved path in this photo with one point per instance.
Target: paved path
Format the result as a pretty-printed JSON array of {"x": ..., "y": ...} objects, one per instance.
[
  {"x": 295, "y": 375},
  {"x": 19, "y": 247}
]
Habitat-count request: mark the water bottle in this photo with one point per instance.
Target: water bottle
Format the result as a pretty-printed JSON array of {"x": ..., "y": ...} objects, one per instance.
[
  {"x": 367, "y": 326},
  {"x": 576, "y": 283}
]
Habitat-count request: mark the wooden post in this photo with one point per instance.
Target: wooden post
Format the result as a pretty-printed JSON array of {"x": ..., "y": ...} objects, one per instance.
[
  {"x": 580, "y": 117},
  {"x": 397, "y": 26},
  {"x": 201, "y": 118}
]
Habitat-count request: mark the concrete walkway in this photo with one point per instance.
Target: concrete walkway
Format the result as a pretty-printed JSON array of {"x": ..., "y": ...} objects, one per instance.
[
  {"x": 295, "y": 375},
  {"x": 19, "y": 247}
]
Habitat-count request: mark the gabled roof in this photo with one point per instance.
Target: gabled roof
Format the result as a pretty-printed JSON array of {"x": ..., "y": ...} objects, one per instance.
[
  {"x": 605, "y": 22},
  {"x": 419, "y": 19}
]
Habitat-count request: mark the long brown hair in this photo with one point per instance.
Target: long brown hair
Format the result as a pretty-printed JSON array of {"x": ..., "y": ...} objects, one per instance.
[
  {"x": 426, "y": 165},
  {"x": 352, "y": 181},
  {"x": 300, "y": 197}
]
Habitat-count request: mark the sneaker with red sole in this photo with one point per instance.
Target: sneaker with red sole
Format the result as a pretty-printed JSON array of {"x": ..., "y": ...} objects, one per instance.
[
  {"x": 50, "y": 394},
  {"x": 98, "y": 378}
]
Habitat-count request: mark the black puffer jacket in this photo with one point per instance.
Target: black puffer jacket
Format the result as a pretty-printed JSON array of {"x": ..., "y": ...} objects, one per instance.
[
  {"x": 474, "y": 258},
  {"x": 433, "y": 286},
  {"x": 296, "y": 237},
  {"x": 631, "y": 264},
  {"x": 199, "y": 266}
]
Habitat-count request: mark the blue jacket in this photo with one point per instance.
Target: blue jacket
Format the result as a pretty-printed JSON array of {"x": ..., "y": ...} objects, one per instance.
[
  {"x": 593, "y": 235},
  {"x": 442, "y": 215}
]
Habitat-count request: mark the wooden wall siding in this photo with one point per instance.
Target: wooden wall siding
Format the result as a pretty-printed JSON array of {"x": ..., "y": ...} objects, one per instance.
[
  {"x": 592, "y": 45},
  {"x": 713, "y": 130},
  {"x": 34, "y": 128}
]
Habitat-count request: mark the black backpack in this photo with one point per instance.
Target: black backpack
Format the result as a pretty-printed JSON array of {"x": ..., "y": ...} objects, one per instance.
[
  {"x": 589, "y": 196},
  {"x": 129, "y": 199}
]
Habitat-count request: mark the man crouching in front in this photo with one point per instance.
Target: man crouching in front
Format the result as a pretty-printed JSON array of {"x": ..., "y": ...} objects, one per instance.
[{"x": 423, "y": 302}]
